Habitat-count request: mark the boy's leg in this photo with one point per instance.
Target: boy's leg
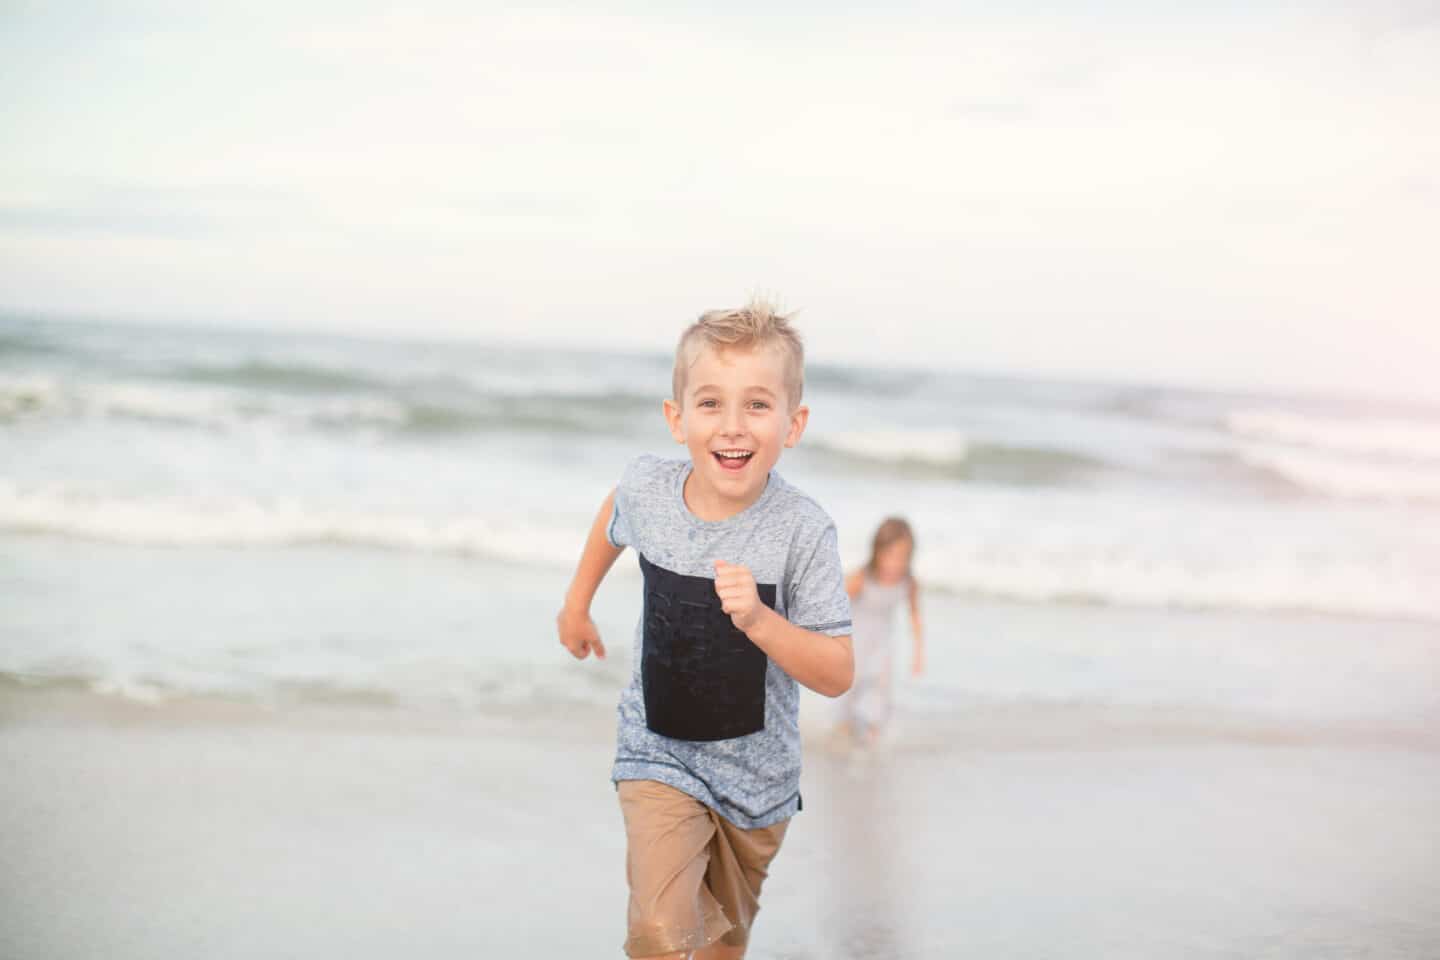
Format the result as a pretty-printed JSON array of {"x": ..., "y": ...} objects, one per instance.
[
  {"x": 739, "y": 863},
  {"x": 668, "y": 851}
]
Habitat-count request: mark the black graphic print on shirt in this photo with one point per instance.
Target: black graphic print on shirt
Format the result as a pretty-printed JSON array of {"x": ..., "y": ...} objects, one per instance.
[{"x": 703, "y": 679}]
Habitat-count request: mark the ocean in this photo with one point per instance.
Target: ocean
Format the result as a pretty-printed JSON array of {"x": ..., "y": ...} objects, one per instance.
[
  {"x": 256, "y": 514},
  {"x": 279, "y": 673}
]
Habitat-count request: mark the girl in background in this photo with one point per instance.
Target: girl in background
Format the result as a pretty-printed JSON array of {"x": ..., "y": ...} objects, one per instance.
[{"x": 876, "y": 589}]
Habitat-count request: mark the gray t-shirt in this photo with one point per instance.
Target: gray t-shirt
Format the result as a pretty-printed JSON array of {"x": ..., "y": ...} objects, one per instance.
[{"x": 706, "y": 711}]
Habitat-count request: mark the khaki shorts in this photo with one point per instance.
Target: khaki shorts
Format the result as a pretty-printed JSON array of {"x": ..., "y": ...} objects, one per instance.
[{"x": 694, "y": 876}]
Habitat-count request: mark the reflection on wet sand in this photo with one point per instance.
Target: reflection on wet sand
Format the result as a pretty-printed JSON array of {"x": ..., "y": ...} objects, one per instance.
[{"x": 864, "y": 865}]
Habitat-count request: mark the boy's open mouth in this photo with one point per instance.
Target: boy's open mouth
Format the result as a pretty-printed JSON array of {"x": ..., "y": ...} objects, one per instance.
[{"x": 732, "y": 460}]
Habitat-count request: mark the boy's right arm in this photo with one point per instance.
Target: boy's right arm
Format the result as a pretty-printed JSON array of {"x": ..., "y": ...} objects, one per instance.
[{"x": 577, "y": 630}]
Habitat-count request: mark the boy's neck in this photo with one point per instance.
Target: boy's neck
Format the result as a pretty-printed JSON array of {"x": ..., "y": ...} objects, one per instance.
[{"x": 708, "y": 506}]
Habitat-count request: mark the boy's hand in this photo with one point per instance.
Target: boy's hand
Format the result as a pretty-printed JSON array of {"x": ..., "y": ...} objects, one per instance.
[
  {"x": 738, "y": 594},
  {"x": 578, "y": 633}
]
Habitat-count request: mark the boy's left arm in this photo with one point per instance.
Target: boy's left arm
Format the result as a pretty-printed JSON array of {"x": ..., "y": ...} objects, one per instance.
[{"x": 824, "y": 663}]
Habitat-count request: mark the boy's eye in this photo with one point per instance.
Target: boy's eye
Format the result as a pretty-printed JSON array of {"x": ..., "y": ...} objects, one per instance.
[{"x": 761, "y": 404}]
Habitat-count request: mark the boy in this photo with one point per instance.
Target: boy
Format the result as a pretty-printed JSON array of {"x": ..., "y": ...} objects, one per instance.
[{"x": 744, "y": 596}]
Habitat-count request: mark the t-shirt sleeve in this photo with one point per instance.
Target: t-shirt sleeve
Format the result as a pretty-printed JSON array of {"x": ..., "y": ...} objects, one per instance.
[
  {"x": 619, "y": 530},
  {"x": 818, "y": 600}
]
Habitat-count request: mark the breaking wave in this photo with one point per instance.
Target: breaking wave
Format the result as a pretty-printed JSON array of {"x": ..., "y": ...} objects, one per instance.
[{"x": 1034, "y": 563}]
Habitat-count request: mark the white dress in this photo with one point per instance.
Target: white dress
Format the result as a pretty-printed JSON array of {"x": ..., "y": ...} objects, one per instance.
[{"x": 868, "y": 704}]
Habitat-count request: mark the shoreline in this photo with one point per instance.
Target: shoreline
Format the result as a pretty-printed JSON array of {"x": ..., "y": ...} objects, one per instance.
[{"x": 975, "y": 726}]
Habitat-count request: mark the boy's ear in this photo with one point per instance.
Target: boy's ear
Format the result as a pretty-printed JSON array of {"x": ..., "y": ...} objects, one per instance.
[
  {"x": 672, "y": 417},
  {"x": 798, "y": 418}
]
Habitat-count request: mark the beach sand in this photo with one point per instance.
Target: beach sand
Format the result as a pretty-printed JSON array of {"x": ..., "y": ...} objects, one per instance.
[{"x": 207, "y": 828}]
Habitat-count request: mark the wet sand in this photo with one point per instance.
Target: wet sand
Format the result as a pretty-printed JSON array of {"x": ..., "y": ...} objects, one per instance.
[{"x": 217, "y": 829}]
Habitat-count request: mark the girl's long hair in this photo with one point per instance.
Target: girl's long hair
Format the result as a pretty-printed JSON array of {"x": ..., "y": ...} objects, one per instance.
[{"x": 891, "y": 530}]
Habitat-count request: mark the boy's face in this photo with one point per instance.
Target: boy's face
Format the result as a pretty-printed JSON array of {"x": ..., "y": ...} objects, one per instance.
[{"x": 735, "y": 400}]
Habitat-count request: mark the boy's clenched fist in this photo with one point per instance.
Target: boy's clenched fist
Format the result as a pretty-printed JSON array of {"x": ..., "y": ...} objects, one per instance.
[{"x": 738, "y": 594}]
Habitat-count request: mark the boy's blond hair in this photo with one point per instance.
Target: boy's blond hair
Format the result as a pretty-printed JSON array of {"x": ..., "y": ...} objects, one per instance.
[{"x": 754, "y": 326}]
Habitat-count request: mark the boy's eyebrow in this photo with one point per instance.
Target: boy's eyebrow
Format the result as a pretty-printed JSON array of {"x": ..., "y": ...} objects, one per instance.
[{"x": 756, "y": 387}]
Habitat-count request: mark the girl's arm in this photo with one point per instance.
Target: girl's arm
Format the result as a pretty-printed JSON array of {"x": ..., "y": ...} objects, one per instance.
[
  {"x": 853, "y": 583},
  {"x": 917, "y": 626}
]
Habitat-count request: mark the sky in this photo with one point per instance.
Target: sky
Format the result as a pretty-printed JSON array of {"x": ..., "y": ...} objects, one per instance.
[{"x": 1225, "y": 194}]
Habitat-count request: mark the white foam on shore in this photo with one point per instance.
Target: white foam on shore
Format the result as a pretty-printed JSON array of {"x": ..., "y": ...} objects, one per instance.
[
  {"x": 935, "y": 446},
  {"x": 1267, "y": 578},
  {"x": 1097, "y": 552},
  {"x": 249, "y": 521}
]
